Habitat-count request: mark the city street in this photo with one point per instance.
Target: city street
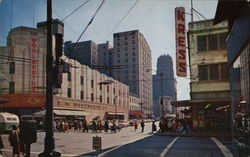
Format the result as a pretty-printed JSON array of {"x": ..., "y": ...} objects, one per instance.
[{"x": 130, "y": 143}]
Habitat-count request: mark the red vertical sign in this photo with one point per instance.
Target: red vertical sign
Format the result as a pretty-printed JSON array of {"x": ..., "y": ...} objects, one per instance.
[
  {"x": 181, "y": 66},
  {"x": 34, "y": 65}
]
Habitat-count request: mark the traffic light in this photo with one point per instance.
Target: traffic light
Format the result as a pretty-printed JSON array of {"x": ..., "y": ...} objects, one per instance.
[{"x": 59, "y": 45}]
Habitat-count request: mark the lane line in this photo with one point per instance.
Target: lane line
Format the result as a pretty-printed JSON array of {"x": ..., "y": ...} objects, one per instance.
[
  {"x": 168, "y": 147},
  {"x": 104, "y": 153},
  {"x": 226, "y": 152}
]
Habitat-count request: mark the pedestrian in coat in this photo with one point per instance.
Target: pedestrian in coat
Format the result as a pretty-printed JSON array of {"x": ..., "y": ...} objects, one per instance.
[
  {"x": 154, "y": 127},
  {"x": 135, "y": 125},
  {"x": 15, "y": 141},
  {"x": 142, "y": 126}
]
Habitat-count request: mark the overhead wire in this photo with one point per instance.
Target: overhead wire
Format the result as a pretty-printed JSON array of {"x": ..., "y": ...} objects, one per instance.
[
  {"x": 84, "y": 30},
  {"x": 122, "y": 18},
  {"x": 147, "y": 13},
  {"x": 75, "y": 10}
]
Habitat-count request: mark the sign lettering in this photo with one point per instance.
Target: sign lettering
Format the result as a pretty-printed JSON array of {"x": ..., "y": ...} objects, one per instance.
[{"x": 181, "y": 67}]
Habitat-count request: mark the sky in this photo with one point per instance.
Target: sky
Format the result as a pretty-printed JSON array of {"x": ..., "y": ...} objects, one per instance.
[{"x": 155, "y": 19}]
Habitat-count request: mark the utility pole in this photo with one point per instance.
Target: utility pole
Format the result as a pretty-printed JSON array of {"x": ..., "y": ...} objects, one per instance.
[{"x": 49, "y": 141}]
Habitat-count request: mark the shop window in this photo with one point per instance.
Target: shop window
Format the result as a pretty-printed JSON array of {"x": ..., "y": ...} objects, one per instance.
[
  {"x": 11, "y": 87},
  {"x": 202, "y": 43},
  {"x": 69, "y": 92},
  {"x": 214, "y": 72},
  {"x": 213, "y": 43},
  {"x": 203, "y": 72}
]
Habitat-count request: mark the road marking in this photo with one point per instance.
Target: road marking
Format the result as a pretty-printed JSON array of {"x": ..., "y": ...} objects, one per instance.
[
  {"x": 104, "y": 153},
  {"x": 69, "y": 155},
  {"x": 168, "y": 147},
  {"x": 226, "y": 152}
]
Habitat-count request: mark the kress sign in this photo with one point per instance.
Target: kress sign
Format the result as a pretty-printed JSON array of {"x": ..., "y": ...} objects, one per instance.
[{"x": 181, "y": 66}]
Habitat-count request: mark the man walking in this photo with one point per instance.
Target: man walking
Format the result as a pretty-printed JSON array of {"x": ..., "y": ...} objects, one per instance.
[{"x": 142, "y": 126}]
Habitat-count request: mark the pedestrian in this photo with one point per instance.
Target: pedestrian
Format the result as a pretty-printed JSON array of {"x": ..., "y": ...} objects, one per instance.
[
  {"x": 200, "y": 126},
  {"x": 106, "y": 126},
  {"x": 28, "y": 135},
  {"x": 135, "y": 125},
  {"x": 85, "y": 126},
  {"x": 185, "y": 126},
  {"x": 142, "y": 126},
  {"x": 153, "y": 127},
  {"x": 1, "y": 144},
  {"x": 15, "y": 141}
]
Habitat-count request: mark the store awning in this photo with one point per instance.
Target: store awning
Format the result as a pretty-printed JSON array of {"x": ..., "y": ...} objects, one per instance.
[
  {"x": 116, "y": 113},
  {"x": 64, "y": 112},
  {"x": 188, "y": 103}
]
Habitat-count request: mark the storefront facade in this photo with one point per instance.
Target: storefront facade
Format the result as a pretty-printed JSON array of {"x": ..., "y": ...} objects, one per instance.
[{"x": 238, "y": 46}]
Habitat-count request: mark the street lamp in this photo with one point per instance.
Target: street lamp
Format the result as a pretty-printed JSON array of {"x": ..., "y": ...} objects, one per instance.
[{"x": 141, "y": 103}]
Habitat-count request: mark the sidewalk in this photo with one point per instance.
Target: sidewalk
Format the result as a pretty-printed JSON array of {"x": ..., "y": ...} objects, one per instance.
[{"x": 194, "y": 134}]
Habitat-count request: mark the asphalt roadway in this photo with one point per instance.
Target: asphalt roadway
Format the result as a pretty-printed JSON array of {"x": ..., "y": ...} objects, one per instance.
[{"x": 131, "y": 143}]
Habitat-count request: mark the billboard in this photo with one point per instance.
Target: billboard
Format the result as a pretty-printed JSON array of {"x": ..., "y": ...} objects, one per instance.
[{"x": 181, "y": 66}]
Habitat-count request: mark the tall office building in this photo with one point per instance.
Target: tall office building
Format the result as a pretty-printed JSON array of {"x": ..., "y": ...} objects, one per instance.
[
  {"x": 133, "y": 52},
  {"x": 164, "y": 83},
  {"x": 105, "y": 58},
  {"x": 85, "y": 52}
]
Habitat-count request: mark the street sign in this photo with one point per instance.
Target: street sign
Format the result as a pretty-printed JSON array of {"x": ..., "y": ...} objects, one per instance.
[{"x": 97, "y": 143}]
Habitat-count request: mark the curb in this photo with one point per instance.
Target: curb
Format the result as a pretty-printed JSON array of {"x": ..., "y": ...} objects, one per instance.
[{"x": 196, "y": 136}]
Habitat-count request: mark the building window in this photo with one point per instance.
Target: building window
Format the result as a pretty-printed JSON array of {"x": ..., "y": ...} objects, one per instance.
[
  {"x": 81, "y": 80},
  {"x": 81, "y": 94},
  {"x": 203, "y": 72},
  {"x": 100, "y": 87},
  {"x": 118, "y": 61},
  {"x": 224, "y": 72},
  {"x": 113, "y": 90},
  {"x": 202, "y": 43},
  {"x": 107, "y": 100},
  {"x": 213, "y": 43},
  {"x": 100, "y": 98},
  {"x": 118, "y": 43},
  {"x": 92, "y": 83},
  {"x": 118, "y": 55},
  {"x": 214, "y": 72},
  {"x": 69, "y": 92},
  {"x": 222, "y": 40},
  {"x": 114, "y": 101},
  {"x": 126, "y": 49},
  {"x": 11, "y": 87},
  {"x": 92, "y": 97},
  {"x": 126, "y": 38},
  {"x": 133, "y": 59},
  {"x": 118, "y": 50},
  {"x": 133, "y": 42},
  {"x": 126, "y": 60},
  {"x": 126, "y": 54},
  {"x": 126, "y": 43},
  {"x": 107, "y": 88},
  {"x": 69, "y": 76},
  {"x": 133, "y": 54},
  {"x": 126, "y": 71},
  {"x": 12, "y": 68},
  {"x": 134, "y": 70}
]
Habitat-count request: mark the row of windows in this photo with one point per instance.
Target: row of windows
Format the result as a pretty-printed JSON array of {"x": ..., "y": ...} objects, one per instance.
[
  {"x": 213, "y": 72},
  {"x": 125, "y": 43},
  {"x": 211, "y": 42},
  {"x": 126, "y": 49},
  {"x": 126, "y": 54},
  {"x": 126, "y": 60}
]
